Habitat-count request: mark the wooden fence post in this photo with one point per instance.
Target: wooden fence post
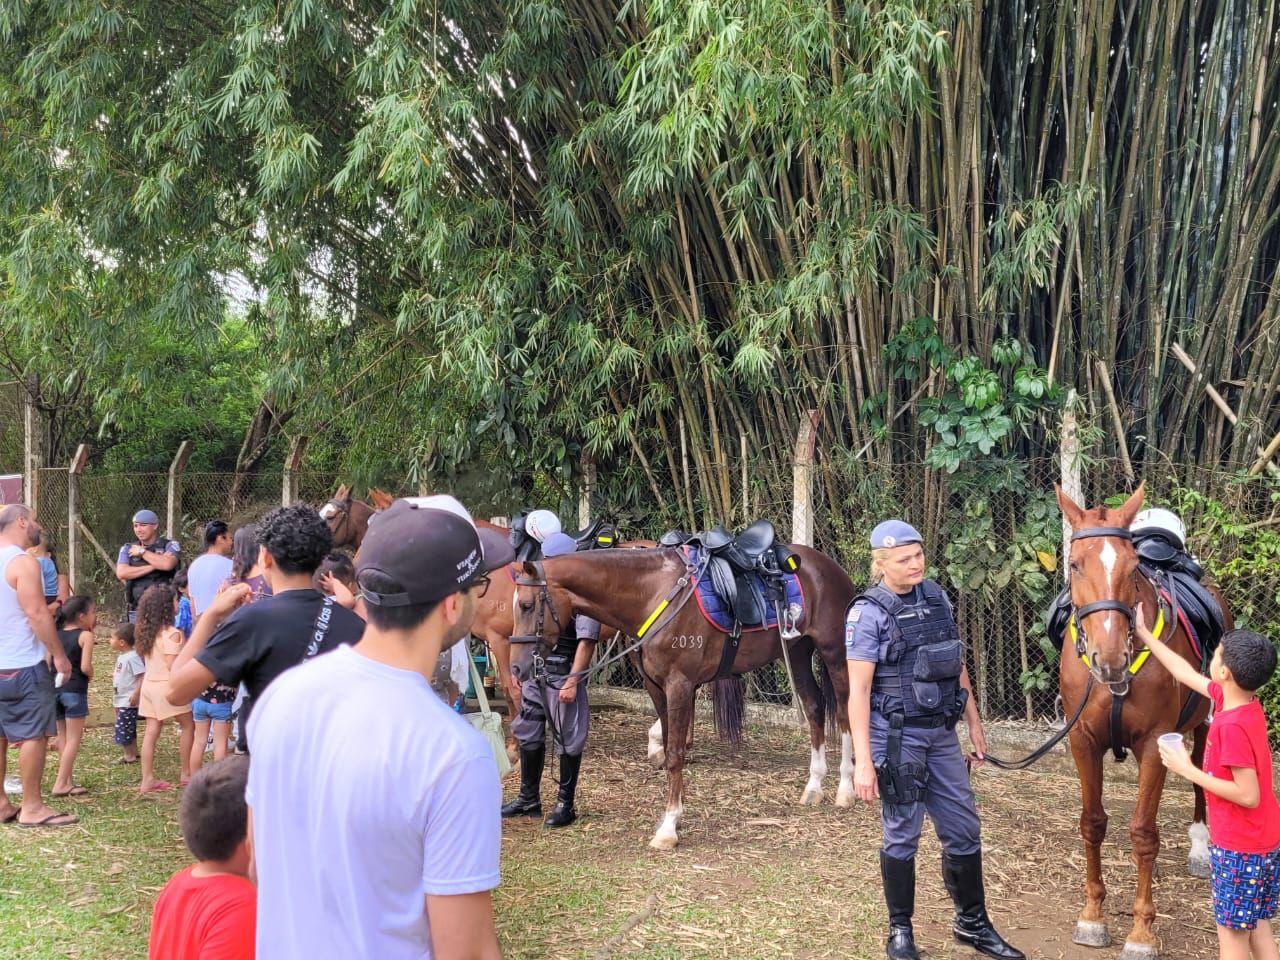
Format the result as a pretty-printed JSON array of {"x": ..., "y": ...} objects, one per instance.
[
  {"x": 1069, "y": 469},
  {"x": 74, "y": 470},
  {"x": 33, "y": 446},
  {"x": 584, "y": 492},
  {"x": 173, "y": 510},
  {"x": 802, "y": 473},
  {"x": 292, "y": 464}
]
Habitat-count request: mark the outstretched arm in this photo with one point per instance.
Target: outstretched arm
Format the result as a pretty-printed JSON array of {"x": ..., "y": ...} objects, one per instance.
[{"x": 1182, "y": 671}]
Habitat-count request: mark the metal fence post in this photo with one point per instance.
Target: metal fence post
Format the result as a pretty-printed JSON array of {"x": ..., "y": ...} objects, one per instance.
[
  {"x": 172, "y": 512},
  {"x": 74, "y": 470},
  {"x": 33, "y": 446},
  {"x": 802, "y": 472},
  {"x": 292, "y": 464}
]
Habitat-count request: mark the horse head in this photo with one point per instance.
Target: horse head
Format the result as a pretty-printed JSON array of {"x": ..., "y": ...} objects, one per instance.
[
  {"x": 540, "y": 610},
  {"x": 1103, "y": 576},
  {"x": 348, "y": 518}
]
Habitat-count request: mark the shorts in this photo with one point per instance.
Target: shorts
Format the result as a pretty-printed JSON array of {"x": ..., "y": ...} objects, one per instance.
[
  {"x": 71, "y": 705},
  {"x": 1245, "y": 887},
  {"x": 202, "y": 710},
  {"x": 126, "y": 725},
  {"x": 26, "y": 704}
]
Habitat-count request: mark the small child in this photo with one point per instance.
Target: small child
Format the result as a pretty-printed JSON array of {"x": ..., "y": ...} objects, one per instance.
[
  {"x": 126, "y": 685},
  {"x": 48, "y": 572},
  {"x": 185, "y": 620},
  {"x": 1244, "y": 818},
  {"x": 76, "y": 621},
  {"x": 209, "y": 909},
  {"x": 159, "y": 642}
]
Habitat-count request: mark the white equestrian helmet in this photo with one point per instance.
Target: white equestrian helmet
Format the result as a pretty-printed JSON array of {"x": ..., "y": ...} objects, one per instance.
[
  {"x": 1164, "y": 521},
  {"x": 541, "y": 524}
]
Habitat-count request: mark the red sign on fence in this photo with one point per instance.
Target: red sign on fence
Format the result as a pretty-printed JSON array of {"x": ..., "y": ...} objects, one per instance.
[{"x": 10, "y": 488}]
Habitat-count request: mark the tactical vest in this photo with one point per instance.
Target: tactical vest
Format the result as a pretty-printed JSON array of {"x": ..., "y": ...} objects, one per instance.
[
  {"x": 919, "y": 670},
  {"x": 134, "y": 589}
]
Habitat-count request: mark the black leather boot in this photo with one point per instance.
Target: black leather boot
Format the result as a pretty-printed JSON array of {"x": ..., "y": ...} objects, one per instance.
[
  {"x": 963, "y": 877},
  {"x": 899, "y": 879},
  {"x": 564, "y": 813},
  {"x": 528, "y": 802}
]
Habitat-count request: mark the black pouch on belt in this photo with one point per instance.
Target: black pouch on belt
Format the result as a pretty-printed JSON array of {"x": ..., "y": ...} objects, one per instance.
[
  {"x": 901, "y": 784},
  {"x": 559, "y": 665}
]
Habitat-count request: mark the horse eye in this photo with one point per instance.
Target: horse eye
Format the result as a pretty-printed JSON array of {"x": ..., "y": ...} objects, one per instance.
[{"x": 526, "y": 605}]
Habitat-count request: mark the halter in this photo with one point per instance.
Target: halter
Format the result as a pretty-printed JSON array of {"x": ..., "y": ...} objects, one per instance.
[
  {"x": 544, "y": 601},
  {"x": 1078, "y": 614},
  {"x": 343, "y": 508}
]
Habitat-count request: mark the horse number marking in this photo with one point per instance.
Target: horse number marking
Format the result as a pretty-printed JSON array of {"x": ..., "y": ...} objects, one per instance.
[{"x": 688, "y": 642}]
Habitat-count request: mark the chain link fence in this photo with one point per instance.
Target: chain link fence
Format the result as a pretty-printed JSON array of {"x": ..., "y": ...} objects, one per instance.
[{"x": 993, "y": 539}]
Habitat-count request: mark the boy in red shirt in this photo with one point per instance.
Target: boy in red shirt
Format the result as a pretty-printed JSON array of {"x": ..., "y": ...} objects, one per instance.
[
  {"x": 208, "y": 911},
  {"x": 1244, "y": 818}
]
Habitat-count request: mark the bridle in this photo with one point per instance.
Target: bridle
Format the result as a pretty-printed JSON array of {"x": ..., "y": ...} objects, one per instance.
[
  {"x": 1078, "y": 615},
  {"x": 544, "y": 603},
  {"x": 342, "y": 510}
]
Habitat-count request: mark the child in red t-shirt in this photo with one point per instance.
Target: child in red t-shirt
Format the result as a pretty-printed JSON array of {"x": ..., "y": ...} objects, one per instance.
[
  {"x": 208, "y": 911},
  {"x": 1244, "y": 818}
]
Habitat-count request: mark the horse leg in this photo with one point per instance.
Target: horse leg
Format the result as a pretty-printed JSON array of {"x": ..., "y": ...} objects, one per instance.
[
  {"x": 840, "y": 689},
  {"x": 1091, "y": 927},
  {"x": 1198, "y": 861},
  {"x": 811, "y": 699},
  {"x": 1144, "y": 838},
  {"x": 679, "y": 718},
  {"x": 657, "y": 755}
]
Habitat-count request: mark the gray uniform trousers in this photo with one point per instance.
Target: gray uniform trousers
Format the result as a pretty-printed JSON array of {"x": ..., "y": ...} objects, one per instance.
[
  {"x": 948, "y": 798},
  {"x": 570, "y": 720}
]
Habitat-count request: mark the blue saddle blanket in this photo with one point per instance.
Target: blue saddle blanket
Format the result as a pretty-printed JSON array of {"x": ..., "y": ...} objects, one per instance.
[{"x": 717, "y": 613}]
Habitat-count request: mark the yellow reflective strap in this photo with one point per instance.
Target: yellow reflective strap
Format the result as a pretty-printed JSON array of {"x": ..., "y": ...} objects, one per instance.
[
  {"x": 604, "y": 539},
  {"x": 1139, "y": 660},
  {"x": 652, "y": 617},
  {"x": 1155, "y": 631}
]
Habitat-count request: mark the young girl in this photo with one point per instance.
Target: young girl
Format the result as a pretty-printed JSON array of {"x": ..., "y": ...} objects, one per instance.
[
  {"x": 158, "y": 642},
  {"x": 76, "y": 620},
  {"x": 48, "y": 573},
  {"x": 126, "y": 687}
]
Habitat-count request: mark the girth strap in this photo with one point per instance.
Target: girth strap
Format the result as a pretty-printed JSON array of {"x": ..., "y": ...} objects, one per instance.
[
  {"x": 730, "y": 652},
  {"x": 1117, "y": 726}
]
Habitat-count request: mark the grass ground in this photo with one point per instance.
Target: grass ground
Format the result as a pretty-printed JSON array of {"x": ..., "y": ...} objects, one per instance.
[{"x": 755, "y": 875}]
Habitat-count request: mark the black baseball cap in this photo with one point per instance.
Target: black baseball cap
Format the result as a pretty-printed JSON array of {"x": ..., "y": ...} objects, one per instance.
[{"x": 431, "y": 547}]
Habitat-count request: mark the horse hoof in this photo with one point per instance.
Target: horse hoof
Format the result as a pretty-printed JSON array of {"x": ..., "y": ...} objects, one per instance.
[
  {"x": 658, "y": 760},
  {"x": 811, "y": 797},
  {"x": 1091, "y": 933},
  {"x": 1139, "y": 951},
  {"x": 664, "y": 841},
  {"x": 1199, "y": 867},
  {"x": 844, "y": 798}
]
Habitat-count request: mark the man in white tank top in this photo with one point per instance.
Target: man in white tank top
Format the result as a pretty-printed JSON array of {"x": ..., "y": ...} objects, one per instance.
[{"x": 26, "y": 685}]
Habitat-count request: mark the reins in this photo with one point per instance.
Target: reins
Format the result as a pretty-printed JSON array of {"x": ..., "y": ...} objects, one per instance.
[{"x": 1049, "y": 744}]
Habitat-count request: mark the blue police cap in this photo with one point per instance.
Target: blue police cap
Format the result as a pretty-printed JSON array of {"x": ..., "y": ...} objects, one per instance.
[
  {"x": 145, "y": 516},
  {"x": 894, "y": 533}
]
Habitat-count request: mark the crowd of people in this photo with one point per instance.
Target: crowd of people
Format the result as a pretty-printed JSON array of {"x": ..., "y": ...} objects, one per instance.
[{"x": 361, "y": 814}]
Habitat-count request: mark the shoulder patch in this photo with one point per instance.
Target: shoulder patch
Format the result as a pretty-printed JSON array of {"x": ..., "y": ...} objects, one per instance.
[{"x": 855, "y": 614}]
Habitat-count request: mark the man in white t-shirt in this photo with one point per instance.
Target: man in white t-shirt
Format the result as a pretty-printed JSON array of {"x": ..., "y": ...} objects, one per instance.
[
  {"x": 208, "y": 570},
  {"x": 380, "y": 837}
]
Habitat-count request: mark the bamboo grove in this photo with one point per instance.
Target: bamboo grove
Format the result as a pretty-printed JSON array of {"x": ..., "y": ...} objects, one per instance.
[{"x": 533, "y": 234}]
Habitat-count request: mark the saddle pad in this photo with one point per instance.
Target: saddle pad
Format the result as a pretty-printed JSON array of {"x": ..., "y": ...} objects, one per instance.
[{"x": 715, "y": 612}]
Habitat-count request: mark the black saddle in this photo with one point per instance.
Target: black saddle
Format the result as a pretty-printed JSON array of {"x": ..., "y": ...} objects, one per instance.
[{"x": 596, "y": 536}]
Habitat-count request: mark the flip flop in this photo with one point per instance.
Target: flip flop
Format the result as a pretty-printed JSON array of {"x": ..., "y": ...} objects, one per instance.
[
  {"x": 49, "y": 821},
  {"x": 157, "y": 787},
  {"x": 118, "y": 761},
  {"x": 75, "y": 791}
]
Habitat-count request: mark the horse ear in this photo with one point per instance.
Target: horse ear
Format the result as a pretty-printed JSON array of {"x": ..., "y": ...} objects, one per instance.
[
  {"x": 530, "y": 569},
  {"x": 1071, "y": 510},
  {"x": 380, "y": 498},
  {"x": 1129, "y": 509},
  {"x": 342, "y": 492}
]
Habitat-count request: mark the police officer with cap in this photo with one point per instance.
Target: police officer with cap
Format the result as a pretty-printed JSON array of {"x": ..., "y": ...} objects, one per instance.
[
  {"x": 562, "y": 696},
  {"x": 908, "y": 687},
  {"x": 146, "y": 560}
]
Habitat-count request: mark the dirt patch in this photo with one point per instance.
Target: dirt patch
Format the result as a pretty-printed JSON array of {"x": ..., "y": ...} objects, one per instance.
[{"x": 758, "y": 875}]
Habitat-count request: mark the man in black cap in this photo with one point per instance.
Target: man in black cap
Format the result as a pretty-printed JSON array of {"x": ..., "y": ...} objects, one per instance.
[
  {"x": 394, "y": 795},
  {"x": 233, "y": 643},
  {"x": 146, "y": 560}
]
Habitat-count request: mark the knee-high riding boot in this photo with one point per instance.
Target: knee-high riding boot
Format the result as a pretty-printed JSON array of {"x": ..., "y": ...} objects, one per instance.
[
  {"x": 963, "y": 877},
  {"x": 564, "y": 813},
  {"x": 899, "y": 879},
  {"x": 528, "y": 802}
]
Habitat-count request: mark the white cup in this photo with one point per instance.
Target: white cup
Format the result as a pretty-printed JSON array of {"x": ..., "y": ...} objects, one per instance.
[
  {"x": 59, "y": 680},
  {"x": 1173, "y": 740}
]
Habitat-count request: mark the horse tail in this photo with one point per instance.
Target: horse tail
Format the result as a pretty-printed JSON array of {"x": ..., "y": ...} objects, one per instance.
[
  {"x": 730, "y": 708},
  {"x": 828, "y": 703}
]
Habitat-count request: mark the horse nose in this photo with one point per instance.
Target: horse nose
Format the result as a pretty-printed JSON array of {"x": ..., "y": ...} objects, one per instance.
[{"x": 1109, "y": 672}]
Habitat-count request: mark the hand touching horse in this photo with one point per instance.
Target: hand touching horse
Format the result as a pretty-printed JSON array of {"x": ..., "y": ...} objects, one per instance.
[{"x": 1130, "y": 700}]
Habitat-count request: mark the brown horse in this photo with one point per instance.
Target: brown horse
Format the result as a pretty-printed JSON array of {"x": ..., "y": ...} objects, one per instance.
[
  {"x": 647, "y": 593},
  {"x": 1129, "y": 693},
  {"x": 348, "y": 518}
]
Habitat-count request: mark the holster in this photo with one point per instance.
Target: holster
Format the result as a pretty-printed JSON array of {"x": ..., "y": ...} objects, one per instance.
[
  {"x": 559, "y": 665},
  {"x": 901, "y": 784}
]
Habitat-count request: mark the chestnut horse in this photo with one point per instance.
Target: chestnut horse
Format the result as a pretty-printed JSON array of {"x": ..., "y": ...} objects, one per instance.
[
  {"x": 1130, "y": 692},
  {"x": 348, "y": 518},
  {"x": 647, "y": 593}
]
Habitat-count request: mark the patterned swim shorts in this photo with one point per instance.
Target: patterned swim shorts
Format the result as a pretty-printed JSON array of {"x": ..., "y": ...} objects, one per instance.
[
  {"x": 126, "y": 725},
  {"x": 1245, "y": 887}
]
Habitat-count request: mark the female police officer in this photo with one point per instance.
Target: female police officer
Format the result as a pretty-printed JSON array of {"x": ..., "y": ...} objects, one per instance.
[{"x": 908, "y": 687}]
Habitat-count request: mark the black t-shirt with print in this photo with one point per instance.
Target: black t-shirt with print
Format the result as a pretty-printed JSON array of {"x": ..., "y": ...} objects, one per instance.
[{"x": 260, "y": 641}]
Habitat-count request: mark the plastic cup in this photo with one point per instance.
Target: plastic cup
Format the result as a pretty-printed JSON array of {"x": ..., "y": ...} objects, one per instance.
[{"x": 1172, "y": 740}]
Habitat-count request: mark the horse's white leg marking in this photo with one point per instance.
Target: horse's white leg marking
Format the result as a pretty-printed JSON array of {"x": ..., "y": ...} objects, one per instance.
[
  {"x": 666, "y": 838},
  {"x": 812, "y": 795},
  {"x": 1198, "y": 860},
  {"x": 657, "y": 756},
  {"x": 845, "y": 794}
]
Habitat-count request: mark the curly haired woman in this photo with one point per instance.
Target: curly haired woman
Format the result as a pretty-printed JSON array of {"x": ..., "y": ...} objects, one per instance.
[{"x": 158, "y": 642}]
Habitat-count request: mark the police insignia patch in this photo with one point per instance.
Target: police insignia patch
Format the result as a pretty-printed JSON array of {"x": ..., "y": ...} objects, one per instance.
[
  {"x": 890, "y": 542},
  {"x": 855, "y": 615}
]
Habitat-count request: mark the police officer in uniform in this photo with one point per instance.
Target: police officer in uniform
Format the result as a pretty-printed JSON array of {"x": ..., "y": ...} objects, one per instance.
[
  {"x": 146, "y": 560},
  {"x": 566, "y": 702},
  {"x": 908, "y": 687}
]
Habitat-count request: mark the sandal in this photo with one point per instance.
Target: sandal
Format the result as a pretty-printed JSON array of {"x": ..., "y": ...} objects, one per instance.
[
  {"x": 156, "y": 787},
  {"x": 123, "y": 760},
  {"x": 62, "y": 820},
  {"x": 75, "y": 791}
]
